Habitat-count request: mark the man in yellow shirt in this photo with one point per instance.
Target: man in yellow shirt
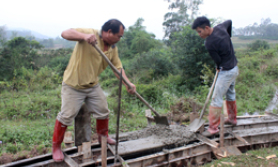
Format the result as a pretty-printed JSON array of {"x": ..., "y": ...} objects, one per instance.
[{"x": 80, "y": 81}]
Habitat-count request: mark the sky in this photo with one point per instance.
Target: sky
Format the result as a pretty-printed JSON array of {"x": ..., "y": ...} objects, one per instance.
[{"x": 51, "y": 17}]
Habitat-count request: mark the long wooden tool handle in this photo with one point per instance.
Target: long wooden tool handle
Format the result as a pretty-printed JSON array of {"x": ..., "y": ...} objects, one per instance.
[
  {"x": 125, "y": 81},
  {"x": 118, "y": 117},
  {"x": 271, "y": 114},
  {"x": 210, "y": 92}
]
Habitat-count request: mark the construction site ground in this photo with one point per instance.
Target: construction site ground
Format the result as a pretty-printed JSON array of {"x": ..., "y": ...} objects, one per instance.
[{"x": 166, "y": 142}]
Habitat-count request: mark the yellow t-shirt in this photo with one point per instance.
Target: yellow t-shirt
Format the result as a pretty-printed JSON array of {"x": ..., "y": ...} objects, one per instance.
[{"x": 86, "y": 64}]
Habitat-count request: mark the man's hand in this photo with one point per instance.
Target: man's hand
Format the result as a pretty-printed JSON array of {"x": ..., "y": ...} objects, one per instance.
[
  {"x": 132, "y": 90},
  {"x": 91, "y": 39}
]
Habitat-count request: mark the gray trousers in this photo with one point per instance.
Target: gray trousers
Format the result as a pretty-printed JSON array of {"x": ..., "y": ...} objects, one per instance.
[
  {"x": 72, "y": 100},
  {"x": 225, "y": 86}
]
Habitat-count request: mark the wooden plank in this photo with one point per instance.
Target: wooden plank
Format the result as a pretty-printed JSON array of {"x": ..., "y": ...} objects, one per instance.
[
  {"x": 221, "y": 130},
  {"x": 70, "y": 161},
  {"x": 225, "y": 111},
  {"x": 271, "y": 114},
  {"x": 103, "y": 151},
  {"x": 79, "y": 149},
  {"x": 237, "y": 136},
  {"x": 251, "y": 116},
  {"x": 87, "y": 152},
  {"x": 223, "y": 152},
  {"x": 207, "y": 141}
]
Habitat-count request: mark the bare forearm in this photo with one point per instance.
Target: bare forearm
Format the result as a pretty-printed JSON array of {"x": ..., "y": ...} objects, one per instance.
[
  {"x": 124, "y": 76},
  {"x": 130, "y": 87},
  {"x": 73, "y": 35}
]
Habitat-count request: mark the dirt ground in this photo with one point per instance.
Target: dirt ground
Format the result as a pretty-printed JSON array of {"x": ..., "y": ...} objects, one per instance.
[
  {"x": 180, "y": 112},
  {"x": 8, "y": 157}
]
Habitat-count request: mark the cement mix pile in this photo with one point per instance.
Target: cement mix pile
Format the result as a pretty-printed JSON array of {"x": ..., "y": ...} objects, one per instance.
[{"x": 173, "y": 134}]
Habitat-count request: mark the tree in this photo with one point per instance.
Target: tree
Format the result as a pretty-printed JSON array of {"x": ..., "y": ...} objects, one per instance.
[
  {"x": 190, "y": 54},
  {"x": 265, "y": 30},
  {"x": 153, "y": 64},
  {"x": 3, "y": 37},
  {"x": 137, "y": 40},
  {"x": 142, "y": 42},
  {"x": 185, "y": 11},
  {"x": 47, "y": 43},
  {"x": 18, "y": 52}
]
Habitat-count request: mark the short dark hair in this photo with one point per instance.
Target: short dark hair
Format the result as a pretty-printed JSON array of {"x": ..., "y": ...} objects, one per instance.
[
  {"x": 201, "y": 22},
  {"x": 112, "y": 24}
]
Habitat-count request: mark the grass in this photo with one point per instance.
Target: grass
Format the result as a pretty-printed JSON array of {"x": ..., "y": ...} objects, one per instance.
[
  {"x": 25, "y": 134},
  {"x": 252, "y": 158},
  {"x": 30, "y": 105},
  {"x": 27, "y": 119}
]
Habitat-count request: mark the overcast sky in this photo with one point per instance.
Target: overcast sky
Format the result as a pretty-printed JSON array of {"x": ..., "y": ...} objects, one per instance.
[{"x": 51, "y": 17}]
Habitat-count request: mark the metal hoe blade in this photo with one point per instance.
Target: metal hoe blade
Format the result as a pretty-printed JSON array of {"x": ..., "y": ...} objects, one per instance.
[
  {"x": 162, "y": 120},
  {"x": 196, "y": 125}
]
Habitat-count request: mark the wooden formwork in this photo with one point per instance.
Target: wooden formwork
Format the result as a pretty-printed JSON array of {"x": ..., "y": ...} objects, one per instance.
[{"x": 256, "y": 131}]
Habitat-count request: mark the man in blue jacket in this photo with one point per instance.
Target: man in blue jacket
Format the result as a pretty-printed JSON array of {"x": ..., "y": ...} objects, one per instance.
[{"x": 219, "y": 45}]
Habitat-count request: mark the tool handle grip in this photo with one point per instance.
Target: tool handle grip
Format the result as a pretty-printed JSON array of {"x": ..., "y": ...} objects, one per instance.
[
  {"x": 125, "y": 81},
  {"x": 210, "y": 92}
]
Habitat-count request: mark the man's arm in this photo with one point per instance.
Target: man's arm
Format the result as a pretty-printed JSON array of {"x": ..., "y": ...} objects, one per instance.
[
  {"x": 73, "y": 35},
  {"x": 133, "y": 87},
  {"x": 217, "y": 59},
  {"x": 228, "y": 25}
]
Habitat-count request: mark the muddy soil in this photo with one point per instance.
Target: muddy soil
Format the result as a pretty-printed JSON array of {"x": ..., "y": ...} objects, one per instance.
[
  {"x": 180, "y": 112},
  {"x": 8, "y": 157}
]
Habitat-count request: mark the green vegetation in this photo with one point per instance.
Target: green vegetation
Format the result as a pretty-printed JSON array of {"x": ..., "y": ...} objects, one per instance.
[
  {"x": 258, "y": 44},
  {"x": 163, "y": 71},
  {"x": 254, "y": 158}
]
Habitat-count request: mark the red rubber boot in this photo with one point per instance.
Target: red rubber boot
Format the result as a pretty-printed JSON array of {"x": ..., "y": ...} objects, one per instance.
[
  {"x": 232, "y": 112},
  {"x": 58, "y": 136},
  {"x": 214, "y": 121},
  {"x": 102, "y": 130}
]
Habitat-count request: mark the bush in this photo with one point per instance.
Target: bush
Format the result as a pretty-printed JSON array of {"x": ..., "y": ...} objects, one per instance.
[
  {"x": 151, "y": 65},
  {"x": 258, "y": 44},
  {"x": 190, "y": 54}
]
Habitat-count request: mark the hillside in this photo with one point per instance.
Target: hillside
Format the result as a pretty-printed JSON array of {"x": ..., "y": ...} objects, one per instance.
[
  {"x": 10, "y": 32},
  {"x": 242, "y": 43}
]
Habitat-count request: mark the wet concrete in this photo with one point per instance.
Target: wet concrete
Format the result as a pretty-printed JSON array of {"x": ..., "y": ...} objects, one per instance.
[
  {"x": 155, "y": 136},
  {"x": 255, "y": 120},
  {"x": 257, "y": 131}
]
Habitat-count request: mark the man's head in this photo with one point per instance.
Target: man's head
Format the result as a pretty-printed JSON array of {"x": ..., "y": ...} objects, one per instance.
[
  {"x": 202, "y": 26},
  {"x": 112, "y": 31}
]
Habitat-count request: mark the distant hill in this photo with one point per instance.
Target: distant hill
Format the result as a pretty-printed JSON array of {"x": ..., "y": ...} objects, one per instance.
[
  {"x": 24, "y": 33},
  {"x": 45, "y": 41}
]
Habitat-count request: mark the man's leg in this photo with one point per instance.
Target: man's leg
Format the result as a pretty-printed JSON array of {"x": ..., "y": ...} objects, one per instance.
[
  {"x": 97, "y": 104},
  {"x": 58, "y": 136},
  {"x": 214, "y": 120},
  {"x": 231, "y": 101},
  {"x": 232, "y": 113},
  {"x": 71, "y": 102},
  {"x": 222, "y": 84}
]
